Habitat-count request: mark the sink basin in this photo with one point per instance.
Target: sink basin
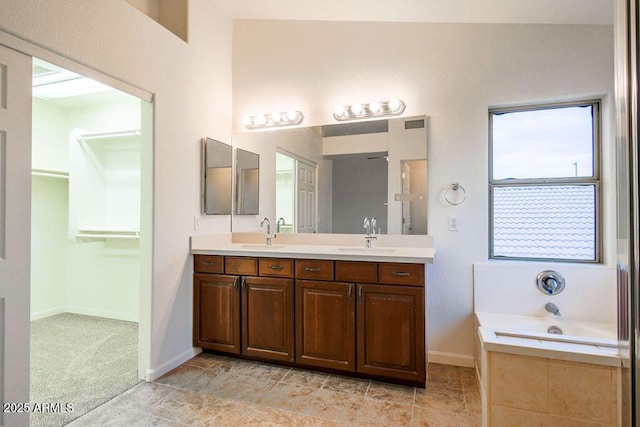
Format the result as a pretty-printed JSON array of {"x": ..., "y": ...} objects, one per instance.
[
  {"x": 368, "y": 251},
  {"x": 262, "y": 246}
]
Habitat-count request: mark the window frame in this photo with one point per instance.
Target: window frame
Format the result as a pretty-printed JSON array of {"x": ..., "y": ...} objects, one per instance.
[{"x": 594, "y": 180}]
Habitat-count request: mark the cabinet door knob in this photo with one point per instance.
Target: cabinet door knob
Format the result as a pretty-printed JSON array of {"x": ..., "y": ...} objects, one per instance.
[
  {"x": 400, "y": 273},
  {"x": 314, "y": 269}
]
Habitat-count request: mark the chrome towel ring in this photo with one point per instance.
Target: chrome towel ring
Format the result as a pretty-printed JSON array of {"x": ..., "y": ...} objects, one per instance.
[{"x": 455, "y": 187}]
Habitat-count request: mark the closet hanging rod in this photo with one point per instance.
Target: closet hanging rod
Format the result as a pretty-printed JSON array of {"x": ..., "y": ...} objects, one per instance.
[
  {"x": 106, "y": 135},
  {"x": 50, "y": 173},
  {"x": 107, "y": 236}
]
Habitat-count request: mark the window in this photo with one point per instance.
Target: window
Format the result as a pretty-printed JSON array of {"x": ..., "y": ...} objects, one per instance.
[{"x": 544, "y": 182}]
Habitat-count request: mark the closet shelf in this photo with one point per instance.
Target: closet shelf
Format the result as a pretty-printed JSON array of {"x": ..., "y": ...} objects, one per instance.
[
  {"x": 50, "y": 173},
  {"x": 108, "y": 233},
  {"x": 89, "y": 136}
]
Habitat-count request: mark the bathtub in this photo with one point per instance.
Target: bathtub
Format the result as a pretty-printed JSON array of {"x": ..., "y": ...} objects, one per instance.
[
  {"x": 528, "y": 374},
  {"x": 549, "y": 337}
]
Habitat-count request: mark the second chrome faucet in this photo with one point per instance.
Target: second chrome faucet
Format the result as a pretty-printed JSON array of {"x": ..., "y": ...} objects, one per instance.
[{"x": 370, "y": 225}]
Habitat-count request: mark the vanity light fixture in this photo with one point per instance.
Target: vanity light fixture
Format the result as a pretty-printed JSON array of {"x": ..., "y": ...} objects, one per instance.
[
  {"x": 355, "y": 111},
  {"x": 275, "y": 119}
]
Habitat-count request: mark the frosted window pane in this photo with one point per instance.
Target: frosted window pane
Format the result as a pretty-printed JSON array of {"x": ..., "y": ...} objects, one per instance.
[
  {"x": 545, "y": 222},
  {"x": 547, "y": 143}
]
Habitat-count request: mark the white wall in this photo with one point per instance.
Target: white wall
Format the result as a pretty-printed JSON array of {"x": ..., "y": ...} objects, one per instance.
[
  {"x": 452, "y": 73},
  {"x": 100, "y": 278},
  {"x": 191, "y": 84}
]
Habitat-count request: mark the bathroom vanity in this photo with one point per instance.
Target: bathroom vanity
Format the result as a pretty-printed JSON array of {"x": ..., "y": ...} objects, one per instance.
[{"x": 345, "y": 309}]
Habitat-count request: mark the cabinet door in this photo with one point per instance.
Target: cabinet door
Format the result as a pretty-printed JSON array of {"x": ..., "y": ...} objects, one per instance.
[
  {"x": 267, "y": 317},
  {"x": 216, "y": 312},
  {"x": 325, "y": 324},
  {"x": 391, "y": 341}
]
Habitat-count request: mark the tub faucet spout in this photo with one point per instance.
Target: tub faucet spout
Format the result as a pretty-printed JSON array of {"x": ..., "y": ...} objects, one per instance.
[{"x": 552, "y": 308}]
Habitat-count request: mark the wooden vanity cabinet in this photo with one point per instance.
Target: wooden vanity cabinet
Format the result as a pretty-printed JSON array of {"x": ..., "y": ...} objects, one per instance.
[
  {"x": 241, "y": 313},
  {"x": 325, "y": 324},
  {"x": 390, "y": 331},
  {"x": 361, "y": 317}
]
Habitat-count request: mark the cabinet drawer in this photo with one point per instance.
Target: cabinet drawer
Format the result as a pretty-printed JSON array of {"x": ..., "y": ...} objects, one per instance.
[
  {"x": 356, "y": 271},
  {"x": 401, "y": 274},
  {"x": 314, "y": 269},
  {"x": 208, "y": 264},
  {"x": 278, "y": 267},
  {"x": 245, "y": 266}
]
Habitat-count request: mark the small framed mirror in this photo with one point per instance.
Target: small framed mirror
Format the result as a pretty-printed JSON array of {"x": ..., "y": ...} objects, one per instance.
[
  {"x": 217, "y": 177},
  {"x": 247, "y": 182}
]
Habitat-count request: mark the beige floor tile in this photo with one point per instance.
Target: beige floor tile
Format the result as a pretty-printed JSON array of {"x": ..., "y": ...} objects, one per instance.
[
  {"x": 444, "y": 376},
  {"x": 180, "y": 376},
  {"x": 260, "y": 416},
  {"x": 289, "y": 397},
  {"x": 267, "y": 372},
  {"x": 334, "y": 405},
  {"x": 239, "y": 388},
  {"x": 142, "y": 395},
  {"x": 469, "y": 379},
  {"x": 391, "y": 392},
  {"x": 473, "y": 403},
  {"x": 441, "y": 398},
  {"x": 145, "y": 420},
  {"x": 105, "y": 415},
  {"x": 427, "y": 417},
  {"x": 193, "y": 408},
  {"x": 384, "y": 413},
  {"x": 305, "y": 378},
  {"x": 346, "y": 385},
  {"x": 228, "y": 365},
  {"x": 203, "y": 360}
]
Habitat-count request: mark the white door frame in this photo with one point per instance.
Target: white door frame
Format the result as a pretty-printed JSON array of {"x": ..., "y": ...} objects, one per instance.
[{"x": 146, "y": 212}]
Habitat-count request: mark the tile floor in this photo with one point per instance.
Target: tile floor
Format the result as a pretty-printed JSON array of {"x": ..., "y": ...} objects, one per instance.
[{"x": 211, "y": 390}]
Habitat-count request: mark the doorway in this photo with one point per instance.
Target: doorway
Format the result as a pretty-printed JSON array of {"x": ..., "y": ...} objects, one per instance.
[
  {"x": 296, "y": 192},
  {"x": 89, "y": 239}
]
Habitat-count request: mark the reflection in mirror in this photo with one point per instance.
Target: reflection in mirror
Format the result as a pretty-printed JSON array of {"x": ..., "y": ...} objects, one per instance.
[
  {"x": 327, "y": 179},
  {"x": 216, "y": 177},
  {"x": 414, "y": 200},
  {"x": 247, "y": 182}
]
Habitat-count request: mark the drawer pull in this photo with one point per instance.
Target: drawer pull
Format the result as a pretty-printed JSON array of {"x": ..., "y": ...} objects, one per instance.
[
  {"x": 360, "y": 294},
  {"x": 350, "y": 292},
  {"x": 208, "y": 263},
  {"x": 276, "y": 267},
  {"x": 235, "y": 283},
  {"x": 400, "y": 273},
  {"x": 312, "y": 269}
]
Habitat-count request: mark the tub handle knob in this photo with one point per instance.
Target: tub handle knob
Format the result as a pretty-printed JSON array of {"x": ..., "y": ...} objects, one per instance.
[{"x": 550, "y": 282}]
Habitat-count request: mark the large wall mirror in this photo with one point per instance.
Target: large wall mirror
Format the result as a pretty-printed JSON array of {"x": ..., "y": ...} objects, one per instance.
[
  {"x": 216, "y": 177},
  {"x": 247, "y": 182},
  {"x": 327, "y": 179}
]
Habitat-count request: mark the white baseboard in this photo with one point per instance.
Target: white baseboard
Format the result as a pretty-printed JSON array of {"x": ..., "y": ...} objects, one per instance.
[
  {"x": 129, "y": 317},
  {"x": 455, "y": 359},
  {"x": 155, "y": 373},
  {"x": 47, "y": 313}
]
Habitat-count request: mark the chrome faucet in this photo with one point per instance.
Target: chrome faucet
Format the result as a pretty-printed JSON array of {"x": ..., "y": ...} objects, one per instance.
[
  {"x": 268, "y": 234},
  {"x": 370, "y": 226},
  {"x": 552, "y": 308},
  {"x": 281, "y": 221}
]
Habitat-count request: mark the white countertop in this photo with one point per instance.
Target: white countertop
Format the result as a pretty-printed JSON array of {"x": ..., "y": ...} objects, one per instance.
[{"x": 318, "y": 246}]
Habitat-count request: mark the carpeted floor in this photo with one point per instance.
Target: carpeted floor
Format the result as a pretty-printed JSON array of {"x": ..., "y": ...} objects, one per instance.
[{"x": 81, "y": 360}]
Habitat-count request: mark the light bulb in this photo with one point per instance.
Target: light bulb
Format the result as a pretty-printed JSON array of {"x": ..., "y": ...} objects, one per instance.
[
  {"x": 394, "y": 105},
  {"x": 246, "y": 120},
  {"x": 292, "y": 115},
  {"x": 357, "y": 109},
  {"x": 375, "y": 107},
  {"x": 339, "y": 111},
  {"x": 276, "y": 117},
  {"x": 260, "y": 120}
]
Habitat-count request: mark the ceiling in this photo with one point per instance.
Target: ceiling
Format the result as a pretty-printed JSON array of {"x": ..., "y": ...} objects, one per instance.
[{"x": 470, "y": 11}]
